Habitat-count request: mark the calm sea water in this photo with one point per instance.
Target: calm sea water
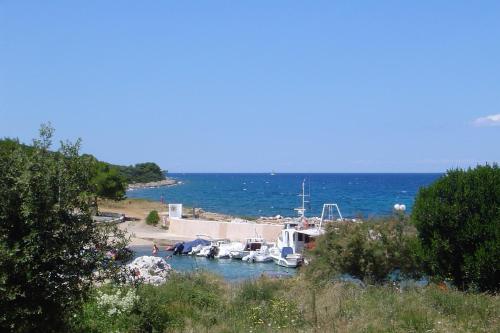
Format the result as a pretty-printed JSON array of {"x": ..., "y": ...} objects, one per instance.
[
  {"x": 265, "y": 195},
  {"x": 230, "y": 270}
]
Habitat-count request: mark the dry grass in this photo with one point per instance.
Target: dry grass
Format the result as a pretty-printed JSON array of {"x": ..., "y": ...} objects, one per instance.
[
  {"x": 347, "y": 308},
  {"x": 204, "y": 303},
  {"x": 135, "y": 208}
]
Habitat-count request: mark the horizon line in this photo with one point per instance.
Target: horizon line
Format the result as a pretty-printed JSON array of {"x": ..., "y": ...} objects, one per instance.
[{"x": 301, "y": 172}]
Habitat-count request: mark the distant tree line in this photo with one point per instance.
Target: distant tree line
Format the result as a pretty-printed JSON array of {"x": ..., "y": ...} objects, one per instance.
[
  {"x": 109, "y": 181},
  {"x": 141, "y": 172}
]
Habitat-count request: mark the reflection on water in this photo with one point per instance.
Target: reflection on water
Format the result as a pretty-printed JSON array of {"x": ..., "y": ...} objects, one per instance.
[{"x": 230, "y": 270}]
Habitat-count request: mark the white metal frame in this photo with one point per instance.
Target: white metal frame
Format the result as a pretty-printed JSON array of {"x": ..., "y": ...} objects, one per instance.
[{"x": 328, "y": 210}]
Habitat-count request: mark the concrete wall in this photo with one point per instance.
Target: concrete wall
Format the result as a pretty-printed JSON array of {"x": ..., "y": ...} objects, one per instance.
[{"x": 236, "y": 231}]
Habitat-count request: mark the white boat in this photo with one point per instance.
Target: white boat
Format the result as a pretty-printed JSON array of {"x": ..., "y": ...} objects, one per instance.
[
  {"x": 294, "y": 237},
  {"x": 225, "y": 249},
  {"x": 213, "y": 248},
  {"x": 196, "y": 249},
  {"x": 251, "y": 245},
  {"x": 292, "y": 242},
  {"x": 220, "y": 249},
  {"x": 261, "y": 255}
]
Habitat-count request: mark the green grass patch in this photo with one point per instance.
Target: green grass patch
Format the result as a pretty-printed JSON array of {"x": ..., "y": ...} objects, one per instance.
[{"x": 201, "y": 302}]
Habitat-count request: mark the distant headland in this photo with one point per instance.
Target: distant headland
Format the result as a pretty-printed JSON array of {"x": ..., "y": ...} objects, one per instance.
[{"x": 165, "y": 182}]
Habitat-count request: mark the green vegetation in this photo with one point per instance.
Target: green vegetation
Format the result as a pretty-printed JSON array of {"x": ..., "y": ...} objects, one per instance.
[
  {"x": 153, "y": 218},
  {"x": 49, "y": 246},
  {"x": 53, "y": 264},
  {"x": 458, "y": 222},
  {"x": 109, "y": 182},
  {"x": 141, "y": 173},
  {"x": 368, "y": 251},
  {"x": 106, "y": 179},
  {"x": 201, "y": 302}
]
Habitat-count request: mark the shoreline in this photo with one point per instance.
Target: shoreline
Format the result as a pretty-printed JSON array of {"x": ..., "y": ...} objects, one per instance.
[
  {"x": 161, "y": 183},
  {"x": 142, "y": 234}
]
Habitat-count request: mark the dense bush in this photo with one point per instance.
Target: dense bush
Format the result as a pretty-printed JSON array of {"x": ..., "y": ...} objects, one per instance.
[
  {"x": 458, "y": 219},
  {"x": 49, "y": 246},
  {"x": 108, "y": 181},
  {"x": 368, "y": 251},
  {"x": 153, "y": 218},
  {"x": 109, "y": 309}
]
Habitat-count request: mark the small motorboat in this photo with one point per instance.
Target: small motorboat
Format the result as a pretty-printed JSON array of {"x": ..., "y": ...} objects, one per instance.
[
  {"x": 287, "y": 258},
  {"x": 187, "y": 247},
  {"x": 261, "y": 255},
  {"x": 220, "y": 249},
  {"x": 251, "y": 245}
]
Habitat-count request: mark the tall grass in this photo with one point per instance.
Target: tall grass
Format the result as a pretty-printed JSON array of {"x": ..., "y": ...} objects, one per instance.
[{"x": 203, "y": 303}]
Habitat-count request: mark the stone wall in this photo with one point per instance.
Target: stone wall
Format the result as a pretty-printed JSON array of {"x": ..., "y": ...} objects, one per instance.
[{"x": 235, "y": 231}]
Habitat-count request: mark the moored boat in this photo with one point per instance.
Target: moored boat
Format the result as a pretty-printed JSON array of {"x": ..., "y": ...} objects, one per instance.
[
  {"x": 260, "y": 255},
  {"x": 294, "y": 237},
  {"x": 251, "y": 245}
]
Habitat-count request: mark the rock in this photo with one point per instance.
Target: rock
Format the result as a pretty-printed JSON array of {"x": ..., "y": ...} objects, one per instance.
[{"x": 148, "y": 269}]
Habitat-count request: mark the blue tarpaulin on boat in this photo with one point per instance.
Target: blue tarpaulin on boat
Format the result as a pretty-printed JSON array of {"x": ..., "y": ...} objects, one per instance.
[{"x": 188, "y": 246}]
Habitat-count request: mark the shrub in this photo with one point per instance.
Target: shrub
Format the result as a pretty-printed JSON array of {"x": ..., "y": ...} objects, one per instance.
[
  {"x": 50, "y": 248},
  {"x": 458, "y": 219},
  {"x": 110, "y": 309},
  {"x": 153, "y": 218},
  {"x": 368, "y": 251}
]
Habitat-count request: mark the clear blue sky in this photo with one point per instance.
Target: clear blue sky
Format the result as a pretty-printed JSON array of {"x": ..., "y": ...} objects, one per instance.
[{"x": 251, "y": 86}]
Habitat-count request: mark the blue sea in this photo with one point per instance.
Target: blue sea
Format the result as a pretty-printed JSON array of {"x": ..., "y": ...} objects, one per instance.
[{"x": 358, "y": 195}]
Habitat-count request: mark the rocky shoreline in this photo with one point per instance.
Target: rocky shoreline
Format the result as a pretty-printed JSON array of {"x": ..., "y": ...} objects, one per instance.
[{"x": 165, "y": 182}]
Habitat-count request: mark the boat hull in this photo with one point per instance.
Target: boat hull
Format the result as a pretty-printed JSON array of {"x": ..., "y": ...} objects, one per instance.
[{"x": 293, "y": 262}]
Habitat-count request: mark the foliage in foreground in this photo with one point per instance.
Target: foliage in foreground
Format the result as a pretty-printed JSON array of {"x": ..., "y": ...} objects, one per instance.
[
  {"x": 458, "y": 220},
  {"x": 202, "y": 303},
  {"x": 49, "y": 245},
  {"x": 369, "y": 251}
]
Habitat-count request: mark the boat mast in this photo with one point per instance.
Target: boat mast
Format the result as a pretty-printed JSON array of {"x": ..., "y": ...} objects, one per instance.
[{"x": 302, "y": 210}]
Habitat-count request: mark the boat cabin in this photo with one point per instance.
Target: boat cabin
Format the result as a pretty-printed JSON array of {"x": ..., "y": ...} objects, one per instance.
[
  {"x": 253, "y": 244},
  {"x": 298, "y": 239}
]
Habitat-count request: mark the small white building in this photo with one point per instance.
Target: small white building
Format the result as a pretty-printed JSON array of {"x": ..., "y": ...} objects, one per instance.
[{"x": 175, "y": 211}]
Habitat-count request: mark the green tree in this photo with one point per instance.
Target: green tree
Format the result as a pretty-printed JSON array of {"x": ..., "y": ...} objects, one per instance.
[
  {"x": 458, "y": 219},
  {"x": 50, "y": 249},
  {"x": 109, "y": 182}
]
